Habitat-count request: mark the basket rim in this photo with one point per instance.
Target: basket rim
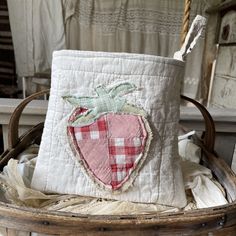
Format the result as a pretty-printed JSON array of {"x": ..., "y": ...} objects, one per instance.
[
  {"x": 154, "y": 218},
  {"x": 49, "y": 222}
]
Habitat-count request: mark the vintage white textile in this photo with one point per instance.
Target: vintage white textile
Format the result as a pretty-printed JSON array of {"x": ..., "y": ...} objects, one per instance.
[
  {"x": 20, "y": 173},
  {"x": 206, "y": 191},
  {"x": 37, "y": 30}
]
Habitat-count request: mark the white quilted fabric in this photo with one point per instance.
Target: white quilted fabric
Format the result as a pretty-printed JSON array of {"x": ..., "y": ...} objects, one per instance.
[{"x": 158, "y": 81}]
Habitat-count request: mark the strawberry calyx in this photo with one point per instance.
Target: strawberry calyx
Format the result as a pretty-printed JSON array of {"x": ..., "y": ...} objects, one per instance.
[{"x": 106, "y": 101}]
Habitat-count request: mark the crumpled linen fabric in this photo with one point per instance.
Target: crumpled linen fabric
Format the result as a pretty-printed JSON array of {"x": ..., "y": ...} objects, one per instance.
[{"x": 206, "y": 192}]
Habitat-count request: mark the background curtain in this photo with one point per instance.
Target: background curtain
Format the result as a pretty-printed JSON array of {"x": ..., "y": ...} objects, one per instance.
[{"x": 136, "y": 26}]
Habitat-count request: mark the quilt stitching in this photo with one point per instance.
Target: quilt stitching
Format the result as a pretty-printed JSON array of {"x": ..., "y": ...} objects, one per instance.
[{"x": 150, "y": 181}]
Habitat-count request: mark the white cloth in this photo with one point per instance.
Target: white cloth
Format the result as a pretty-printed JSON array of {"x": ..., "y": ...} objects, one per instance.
[
  {"x": 206, "y": 191},
  {"x": 189, "y": 151},
  {"x": 37, "y": 30},
  {"x": 21, "y": 14},
  {"x": 26, "y": 165}
]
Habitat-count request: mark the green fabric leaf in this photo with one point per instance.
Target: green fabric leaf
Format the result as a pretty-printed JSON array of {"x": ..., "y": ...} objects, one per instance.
[
  {"x": 86, "y": 102},
  {"x": 122, "y": 89},
  {"x": 104, "y": 102}
]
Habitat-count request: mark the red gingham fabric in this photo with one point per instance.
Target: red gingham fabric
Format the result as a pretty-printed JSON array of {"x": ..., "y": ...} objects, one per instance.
[
  {"x": 97, "y": 130},
  {"x": 123, "y": 153},
  {"x": 123, "y": 156}
]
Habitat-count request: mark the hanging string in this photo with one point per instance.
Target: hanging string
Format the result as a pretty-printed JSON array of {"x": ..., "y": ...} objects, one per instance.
[{"x": 186, "y": 19}]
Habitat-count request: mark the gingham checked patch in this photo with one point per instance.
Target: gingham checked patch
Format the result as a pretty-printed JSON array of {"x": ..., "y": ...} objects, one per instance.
[{"x": 111, "y": 147}]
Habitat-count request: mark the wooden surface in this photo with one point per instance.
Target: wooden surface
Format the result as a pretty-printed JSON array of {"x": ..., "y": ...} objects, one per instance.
[
  {"x": 8, "y": 86},
  {"x": 225, "y": 119},
  {"x": 33, "y": 114},
  {"x": 188, "y": 223},
  {"x": 224, "y": 84},
  {"x": 221, "y": 81},
  {"x": 209, "y": 55},
  {"x": 226, "y": 4},
  {"x": 223, "y": 89},
  {"x": 233, "y": 165},
  {"x": 228, "y": 28}
]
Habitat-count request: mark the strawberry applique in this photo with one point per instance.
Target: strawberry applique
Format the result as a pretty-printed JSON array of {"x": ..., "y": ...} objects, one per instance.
[{"x": 109, "y": 136}]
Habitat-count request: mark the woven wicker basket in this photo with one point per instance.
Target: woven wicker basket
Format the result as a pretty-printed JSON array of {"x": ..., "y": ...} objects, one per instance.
[
  {"x": 21, "y": 221},
  {"x": 211, "y": 221}
]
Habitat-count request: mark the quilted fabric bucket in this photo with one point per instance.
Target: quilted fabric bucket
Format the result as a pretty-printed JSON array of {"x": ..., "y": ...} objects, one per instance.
[{"x": 112, "y": 125}]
